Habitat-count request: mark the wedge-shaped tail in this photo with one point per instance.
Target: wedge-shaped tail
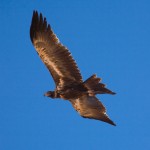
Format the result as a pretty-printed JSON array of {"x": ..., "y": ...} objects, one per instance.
[{"x": 95, "y": 87}]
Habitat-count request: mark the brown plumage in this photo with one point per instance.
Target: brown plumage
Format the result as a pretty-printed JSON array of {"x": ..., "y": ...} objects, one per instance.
[{"x": 64, "y": 70}]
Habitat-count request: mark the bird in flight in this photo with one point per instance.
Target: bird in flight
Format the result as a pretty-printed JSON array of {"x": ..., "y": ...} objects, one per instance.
[{"x": 66, "y": 74}]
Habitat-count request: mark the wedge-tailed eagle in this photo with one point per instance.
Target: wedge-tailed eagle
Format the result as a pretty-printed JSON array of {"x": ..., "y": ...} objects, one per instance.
[{"x": 64, "y": 70}]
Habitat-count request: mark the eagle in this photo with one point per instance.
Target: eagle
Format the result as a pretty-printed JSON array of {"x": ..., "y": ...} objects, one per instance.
[{"x": 67, "y": 77}]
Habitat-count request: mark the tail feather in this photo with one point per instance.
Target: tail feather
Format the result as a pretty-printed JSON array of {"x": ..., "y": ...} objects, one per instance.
[{"x": 95, "y": 87}]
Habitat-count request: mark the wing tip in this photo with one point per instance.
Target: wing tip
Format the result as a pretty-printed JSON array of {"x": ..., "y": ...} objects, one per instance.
[
  {"x": 113, "y": 93},
  {"x": 38, "y": 24},
  {"x": 35, "y": 12},
  {"x": 33, "y": 24},
  {"x": 106, "y": 119},
  {"x": 111, "y": 122}
]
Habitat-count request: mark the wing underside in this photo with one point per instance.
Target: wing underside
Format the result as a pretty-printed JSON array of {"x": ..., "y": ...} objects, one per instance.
[
  {"x": 90, "y": 107},
  {"x": 55, "y": 56}
]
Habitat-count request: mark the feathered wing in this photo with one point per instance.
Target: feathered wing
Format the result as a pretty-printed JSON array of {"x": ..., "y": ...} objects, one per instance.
[
  {"x": 91, "y": 107},
  {"x": 55, "y": 56}
]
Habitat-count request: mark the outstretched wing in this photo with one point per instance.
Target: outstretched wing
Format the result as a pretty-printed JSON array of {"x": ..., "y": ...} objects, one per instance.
[
  {"x": 91, "y": 107},
  {"x": 55, "y": 56}
]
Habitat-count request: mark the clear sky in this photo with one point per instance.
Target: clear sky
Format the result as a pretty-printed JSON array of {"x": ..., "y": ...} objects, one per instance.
[{"x": 109, "y": 38}]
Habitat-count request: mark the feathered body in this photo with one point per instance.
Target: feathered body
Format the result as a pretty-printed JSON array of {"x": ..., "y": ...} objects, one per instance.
[{"x": 67, "y": 77}]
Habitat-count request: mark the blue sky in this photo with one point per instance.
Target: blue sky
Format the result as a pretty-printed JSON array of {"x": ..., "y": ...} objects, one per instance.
[{"x": 109, "y": 38}]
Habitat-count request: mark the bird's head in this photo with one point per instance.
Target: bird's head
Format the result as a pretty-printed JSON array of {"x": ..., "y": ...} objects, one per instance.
[{"x": 50, "y": 94}]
